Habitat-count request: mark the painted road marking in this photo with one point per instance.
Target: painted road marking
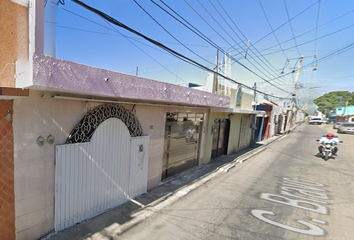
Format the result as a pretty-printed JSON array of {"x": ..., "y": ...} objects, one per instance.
[
  {"x": 313, "y": 229},
  {"x": 307, "y": 189},
  {"x": 318, "y": 221}
]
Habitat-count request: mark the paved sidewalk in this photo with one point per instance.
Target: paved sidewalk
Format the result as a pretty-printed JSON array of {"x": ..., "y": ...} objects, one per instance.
[{"x": 120, "y": 219}]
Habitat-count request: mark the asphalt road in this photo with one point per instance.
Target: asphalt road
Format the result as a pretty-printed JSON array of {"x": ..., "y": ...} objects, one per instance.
[{"x": 285, "y": 192}]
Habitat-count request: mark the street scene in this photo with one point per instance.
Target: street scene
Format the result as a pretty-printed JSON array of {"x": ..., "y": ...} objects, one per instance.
[
  {"x": 283, "y": 192},
  {"x": 176, "y": 119}
]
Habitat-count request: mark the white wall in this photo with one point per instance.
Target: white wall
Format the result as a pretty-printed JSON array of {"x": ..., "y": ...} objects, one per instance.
[
  {"x": 34, "y": 165},
  {"x": 152, "y": 120}
]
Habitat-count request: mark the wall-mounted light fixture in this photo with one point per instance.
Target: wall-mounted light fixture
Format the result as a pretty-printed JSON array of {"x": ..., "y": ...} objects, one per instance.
[{"x": 231, "y": 116}]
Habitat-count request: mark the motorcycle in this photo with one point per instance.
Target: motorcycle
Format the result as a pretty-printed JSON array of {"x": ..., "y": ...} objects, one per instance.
[{"x": 327, "y": 148}]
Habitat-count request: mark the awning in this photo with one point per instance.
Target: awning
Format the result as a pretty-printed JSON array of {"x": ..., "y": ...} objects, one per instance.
[{"x": 234, "y": 110}]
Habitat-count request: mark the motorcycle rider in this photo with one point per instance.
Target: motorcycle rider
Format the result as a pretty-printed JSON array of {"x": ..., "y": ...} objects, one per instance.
[{"x": 329, "y": 138}]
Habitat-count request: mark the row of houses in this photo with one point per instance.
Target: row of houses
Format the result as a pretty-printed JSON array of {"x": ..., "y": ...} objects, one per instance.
[
  {"x": 344, "y": 114},
  {"x": 77, "y": 140},
  {"x": 339, "y": 114}
]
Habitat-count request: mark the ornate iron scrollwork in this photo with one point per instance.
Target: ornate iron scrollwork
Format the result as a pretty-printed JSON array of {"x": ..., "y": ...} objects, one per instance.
[{"x": 90, "y": 122}]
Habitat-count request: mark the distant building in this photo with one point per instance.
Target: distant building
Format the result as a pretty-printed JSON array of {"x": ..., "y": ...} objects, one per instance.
[
  {"x": 345, "y": 114},
  {"x": 190, "y": 85}
]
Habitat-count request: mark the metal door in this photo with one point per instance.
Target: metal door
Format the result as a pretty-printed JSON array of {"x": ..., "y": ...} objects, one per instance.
[
  {"x": 245, "y": 132},
  {"x": 181, "y": 147},
  {"x": 95, "y": 176},
  {"x": 221, "y": 129}
]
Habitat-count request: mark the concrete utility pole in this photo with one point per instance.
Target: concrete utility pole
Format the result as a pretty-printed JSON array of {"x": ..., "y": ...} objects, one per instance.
[
  {"x": 216, "y": 76},
  {"x": 292, "y": 103},
  {"x": 290, "y": 112},
  {"x": 254, "y": 115}
]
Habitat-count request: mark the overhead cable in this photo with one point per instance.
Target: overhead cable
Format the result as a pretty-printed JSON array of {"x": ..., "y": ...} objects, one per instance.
[
  {"x": 324, "y": 36},
  {"x": 273, "y": 32},
  {"x": 170, "y": 33},
  {"x": 291, "y": 26},
  {"x": 287, "y": 22},
  {"x": 251, "y": 45},
  {"x": 174, "y": 53},
  {"x": 217, "y": 32},
  {"x": 126, "y": 37},
  {"x": 210, "y": 41},
  {"x": 232, "y": 46},
  {"x": 313, "y": 29}
]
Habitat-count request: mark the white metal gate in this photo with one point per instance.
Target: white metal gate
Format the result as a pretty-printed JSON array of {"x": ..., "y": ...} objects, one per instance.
[
  {"x": 95, "y": 176},
  {"x": 245, "y": 132}
]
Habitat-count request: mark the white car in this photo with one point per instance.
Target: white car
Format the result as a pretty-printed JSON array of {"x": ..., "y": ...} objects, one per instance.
[
  {"x": 336, "y": 125},
  {"x": 346, "y": 128},
  {"x": 316, "y": 120}
]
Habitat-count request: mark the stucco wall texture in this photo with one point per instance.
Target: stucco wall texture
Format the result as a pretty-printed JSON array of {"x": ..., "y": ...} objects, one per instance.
[
  {"x": 34, "y": 165},
  {"x": 41, "y": 115},
  {"x": 73, "y": 77},
  {"x": 13, "y": 39}
]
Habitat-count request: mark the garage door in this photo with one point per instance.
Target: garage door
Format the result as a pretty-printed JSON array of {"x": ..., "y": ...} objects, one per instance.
[{"x": 92, "y": 177}]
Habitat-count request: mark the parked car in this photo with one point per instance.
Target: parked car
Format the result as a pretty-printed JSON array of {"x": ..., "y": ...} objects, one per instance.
[
  {"x": 346, "y": 128},
  {"x": 336, "y": 125}
]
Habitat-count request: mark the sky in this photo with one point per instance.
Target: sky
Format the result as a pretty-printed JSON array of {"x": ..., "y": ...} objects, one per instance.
[{"x": 266, "y": 40}]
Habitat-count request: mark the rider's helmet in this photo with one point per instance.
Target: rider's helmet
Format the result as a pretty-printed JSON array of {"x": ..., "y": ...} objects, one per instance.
[{"x": 329, "y": 135}]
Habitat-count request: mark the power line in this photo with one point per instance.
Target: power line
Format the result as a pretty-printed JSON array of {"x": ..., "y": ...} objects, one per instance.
[
  {"x": 327, "y": 35},
  {"x": 318, "y": 18},
  {"x": 232, "y": 29},
  {"x": 217, "y": 32},
  {"x": 127, "y": 38},
  {"x": 118, "y": 35},
  {"x": 270, "y": 25},
  {"x": 148, "y": 55},
  {"x": 208, "y": 23},
  {"x": 291, "y": 26},
  {"x": 174, "y": 53},
  {"x": 251, "y": 45},
  {"x": 208, "y": 40},
  {"x": 170, "y": 33},
  {"x": 287, "y": 22},
  {"x": 313, "y": 29}
]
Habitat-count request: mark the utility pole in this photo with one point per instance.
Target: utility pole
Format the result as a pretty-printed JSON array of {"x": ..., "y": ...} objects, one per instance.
[
  {"x": 290, "y": 112},
  {"x": 254, "y": 116},
  {"x": 216, "y": 76}
]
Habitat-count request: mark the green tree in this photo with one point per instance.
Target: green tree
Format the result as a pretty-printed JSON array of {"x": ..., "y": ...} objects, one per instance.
[{"x": 330, "y": 100}]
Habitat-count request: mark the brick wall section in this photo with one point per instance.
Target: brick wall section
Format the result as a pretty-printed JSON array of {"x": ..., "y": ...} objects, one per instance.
[
  {"x": 7, "y": 192},
  {"x": 13, "y": 39}
]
